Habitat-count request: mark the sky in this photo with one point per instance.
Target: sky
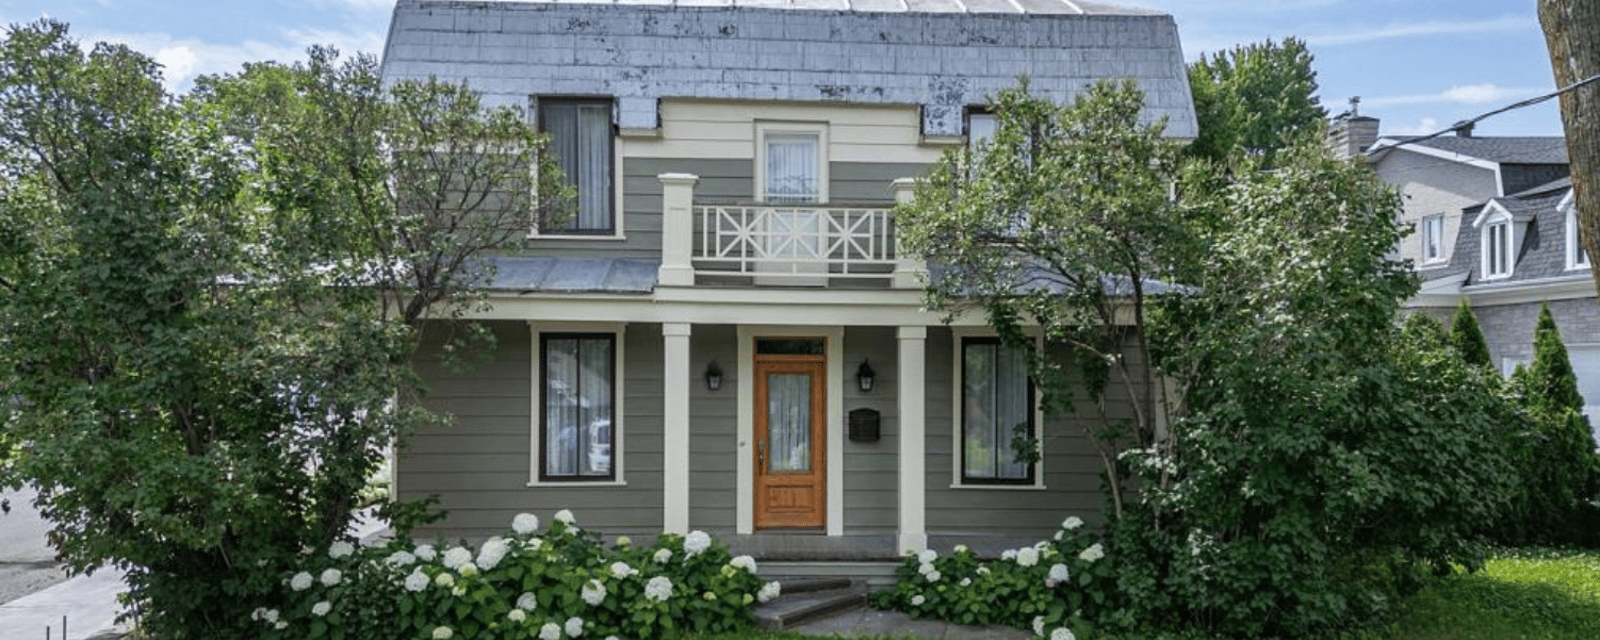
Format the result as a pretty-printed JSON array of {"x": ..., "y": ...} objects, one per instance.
[{"x": 1417, "y": 65}]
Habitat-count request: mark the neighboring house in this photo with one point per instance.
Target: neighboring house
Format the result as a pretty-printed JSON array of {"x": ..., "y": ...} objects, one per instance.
[
  {"x": 1494, "y": 225},
  {"x": 723, "y": 337}
]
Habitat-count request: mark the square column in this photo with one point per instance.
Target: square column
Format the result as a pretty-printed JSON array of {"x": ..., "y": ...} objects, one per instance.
[
  {"x": 675, "y": 427},
  {"x": 913, "y": 530}
]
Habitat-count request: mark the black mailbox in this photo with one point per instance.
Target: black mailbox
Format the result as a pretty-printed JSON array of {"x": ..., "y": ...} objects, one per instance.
[{"x": 864, "y": 425}]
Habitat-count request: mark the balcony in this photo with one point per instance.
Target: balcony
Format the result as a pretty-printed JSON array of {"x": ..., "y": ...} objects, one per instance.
[{"x": 780, "y": 245}]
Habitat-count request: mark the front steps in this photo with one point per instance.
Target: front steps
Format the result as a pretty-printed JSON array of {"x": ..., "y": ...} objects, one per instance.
[{"x": 808, "y": 599}]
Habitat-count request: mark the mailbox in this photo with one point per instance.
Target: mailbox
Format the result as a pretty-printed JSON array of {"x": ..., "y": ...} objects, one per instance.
[{"x": 864, "y": 425}]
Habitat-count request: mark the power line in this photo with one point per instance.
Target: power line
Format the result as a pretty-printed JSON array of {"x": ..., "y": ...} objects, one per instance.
[{"x": 1467, "y": 124}]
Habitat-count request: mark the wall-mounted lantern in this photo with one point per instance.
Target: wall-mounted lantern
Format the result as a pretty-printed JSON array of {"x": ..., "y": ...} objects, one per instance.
[
  {"x": 713, "y": 376},
  {"x": 865, "y": 376}
]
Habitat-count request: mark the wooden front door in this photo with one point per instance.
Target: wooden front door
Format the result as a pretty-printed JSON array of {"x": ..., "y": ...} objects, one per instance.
[{"x": 790, "y": 431}]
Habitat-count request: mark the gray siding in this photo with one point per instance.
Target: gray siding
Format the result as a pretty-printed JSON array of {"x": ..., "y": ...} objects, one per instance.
[
  {"x": 871, "y": 480},
  {"x": 479, "y": 466},
  {"x": 868, "y": 182},
  {"x": 713, "y": 426}
]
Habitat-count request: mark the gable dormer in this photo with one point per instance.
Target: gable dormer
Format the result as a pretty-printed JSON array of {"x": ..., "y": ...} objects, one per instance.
[
  {"x": 1501, "y": 233},
  {"x": 1576, "y": 257}
]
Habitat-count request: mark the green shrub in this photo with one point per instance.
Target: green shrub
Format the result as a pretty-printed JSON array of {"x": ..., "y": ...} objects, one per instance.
[
  {"x": 1055, "y": 587},
  {"x": 562, "y": 584}
]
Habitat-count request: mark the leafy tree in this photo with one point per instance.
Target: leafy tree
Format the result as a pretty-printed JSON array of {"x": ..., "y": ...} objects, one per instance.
[
  {"x": 1062, "y": 221},
  {"x": 209, "y": 303},
  {"x": 1467, "y": 339},
  {"x": 1255, "y": 99}
]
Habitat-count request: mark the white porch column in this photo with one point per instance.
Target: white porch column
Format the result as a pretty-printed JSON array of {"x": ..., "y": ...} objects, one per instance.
[
  {"x": 677, "y": 229},
  {"x": 910, "y": 272},
  {"x": 675, "y": 432},
  {"x": 913, "y": 528}
]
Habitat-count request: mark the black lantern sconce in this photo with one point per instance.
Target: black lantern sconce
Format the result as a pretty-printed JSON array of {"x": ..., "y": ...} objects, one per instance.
[
  {"x": 865, "y": 376},
  {"x": 713, "y": 376}
]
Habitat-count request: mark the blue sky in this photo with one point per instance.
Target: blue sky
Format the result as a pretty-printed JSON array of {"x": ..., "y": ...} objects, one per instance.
[{"x": 1418, "y": 65}]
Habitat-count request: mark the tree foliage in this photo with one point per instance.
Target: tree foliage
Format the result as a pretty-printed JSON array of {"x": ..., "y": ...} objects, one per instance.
[
  {"x": 208, "y": 303},
  {"x": 1255, "y": 99},
  {"x": 1554, "y": 449},
  {"x": 1467, "y": 338}
]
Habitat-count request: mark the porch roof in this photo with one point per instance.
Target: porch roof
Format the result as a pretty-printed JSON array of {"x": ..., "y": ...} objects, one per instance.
[{"x": 533, "y": 274}]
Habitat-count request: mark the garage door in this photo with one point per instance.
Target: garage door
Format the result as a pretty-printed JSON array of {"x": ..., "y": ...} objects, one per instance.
[{"x": 1586, "y": 363}]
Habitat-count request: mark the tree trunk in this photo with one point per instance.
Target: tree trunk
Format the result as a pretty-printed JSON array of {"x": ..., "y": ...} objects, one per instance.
[{"x": 1572, "y": 33}]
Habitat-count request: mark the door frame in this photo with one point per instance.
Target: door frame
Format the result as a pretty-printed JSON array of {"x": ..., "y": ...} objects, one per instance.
[{"x": 833, "y": 423}]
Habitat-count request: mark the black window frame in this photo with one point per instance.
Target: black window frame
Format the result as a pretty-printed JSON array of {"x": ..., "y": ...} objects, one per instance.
[
  {"x": 540, "y": 105},
  {"x": 544, "y": 406},
  {"x": 1031, "y": 477}
]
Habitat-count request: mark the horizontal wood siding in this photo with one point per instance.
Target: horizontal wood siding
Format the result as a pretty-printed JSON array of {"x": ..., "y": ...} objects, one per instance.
[
  {"x": 726, "y": 129},
  {"x": 869, "y": 182},
  {"x": 1071, "y": 466},
  {"x": 871, "y": 480},
  {"x": 480, "y": 464},
  {"x": 713, "y": 430}
]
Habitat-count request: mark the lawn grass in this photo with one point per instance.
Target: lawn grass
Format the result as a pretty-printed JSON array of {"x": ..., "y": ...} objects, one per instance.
[{"x": 1531, "y": 594}]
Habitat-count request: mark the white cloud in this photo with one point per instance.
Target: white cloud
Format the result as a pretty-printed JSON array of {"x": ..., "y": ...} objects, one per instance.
[
  {"x": 1426, "y": 28},
  {"x": 177, "y": 65},
  {"x": 1423, "y": 127},
  {"x": 183, "y": 59},
  {"x": 1482, "y": 93}
]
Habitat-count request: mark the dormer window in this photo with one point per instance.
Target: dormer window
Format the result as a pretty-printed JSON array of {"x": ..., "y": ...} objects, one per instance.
[
  {"x": 1433, "y": 238},
  {"x": 1577, "y": 258},
  {"x": 1497, "y": 249}
]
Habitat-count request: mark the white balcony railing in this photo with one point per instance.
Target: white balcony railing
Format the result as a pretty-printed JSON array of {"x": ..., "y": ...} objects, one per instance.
[{"x": 779, "y": 244}]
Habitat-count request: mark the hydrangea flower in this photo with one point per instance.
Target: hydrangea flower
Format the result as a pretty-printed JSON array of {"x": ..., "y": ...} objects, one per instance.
[
  {"x": 623, "y": 541},
  {"x": 281, "y": 625},
  {"x": 769, "y": 591},
  {"x": 459, "y": 590},
  {"x": 340, "y": 549},
  {"x": 517, "y": 615},
  {"x": 492, "y": 552},
  {"x": 1071, "y": 523},
  {"x": 696, "y": 542},
  {"x": 533, "y": 544},
  {"x": 1094, "y": 552},
  {"x": 564, "y": 516},
  {"x": 926, "y": 556},
  {"x": 966, "y": 582},
  {"x": 658, "y": 588},
  {"x": 743, "y": 562},
  {"x": 1058, "y": 536},
  {"x": 527, "y": 601},
  {"x": 1062, "y": 633},
  {"x": 425, "y": 552},
  {"x": 983, "y": 571},
  {"x": 270, "y": 615},
  {"x": 594, "y": 593},
  {"x": 443, "y": 633},
  {"x": 663, "y": 555},
  {"x": 917, "y": 600},
  {"x": 1008, "y": 554},
  {"x": 321, "y": 608},
  {"x": 1058, "y": 575},
  {"x": 417, "y": 581},
  {"x": 330, "y": 577},
  {"x": 925, "y": 568},
  {"x": 961, "y": 548},
  {"x": 258, "y": 614},
  {"x": 401, "y": 559},
  {"x": 457, "y": 556},
  {"x": 574, "y": 626},
  {"x": 1038, "y": 626},
  {"x": 1027, "y": 557},
  {"x": 709, "y": 595},
  {"x": 933, "y": 576},
  {"x": 525, "y": 523},
  {"x": 301, "y": 581},
  {"x": 468, "y": 569},
  {"x": 621, "y": 570},
  {"x": 444, "y": 580},
  {"x": 550, "y": 631}
]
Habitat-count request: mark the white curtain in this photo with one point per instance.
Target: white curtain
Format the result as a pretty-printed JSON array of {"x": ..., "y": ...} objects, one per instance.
[
  {"x": 578, "y": 406},
  {"x": 789, "y": 422},
  {"x": 792, "y": 172},
  {"x": 995, "y": 389}
]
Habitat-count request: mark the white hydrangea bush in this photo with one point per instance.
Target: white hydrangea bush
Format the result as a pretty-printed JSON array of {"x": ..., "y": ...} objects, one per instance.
[
  {"x": 1055, "y": 588},
  {"x": 561, "y": 583}
]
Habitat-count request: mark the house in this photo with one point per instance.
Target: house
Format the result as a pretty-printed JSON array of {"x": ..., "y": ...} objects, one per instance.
[
  {"x": 723, "y": 336},
  {"x": 1495, "y": 225}
]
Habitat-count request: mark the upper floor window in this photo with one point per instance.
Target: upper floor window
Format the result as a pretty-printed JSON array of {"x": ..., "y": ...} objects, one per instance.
[
  {"x": 981, "y": 126},
  {"x": 581, "y": 134},
  {"x": 791, "y": 162},
  {"x": 1497, "y": 249},
  {"x": 1433, "y": 238},
  {"x": 1577, "y": 257}
]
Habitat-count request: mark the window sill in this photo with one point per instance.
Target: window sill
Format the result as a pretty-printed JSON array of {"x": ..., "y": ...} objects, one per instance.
[
  {"x": 999, "y": 487},
  {"x": 573, "y": 236},
  {"x": 577, "y": 483}
]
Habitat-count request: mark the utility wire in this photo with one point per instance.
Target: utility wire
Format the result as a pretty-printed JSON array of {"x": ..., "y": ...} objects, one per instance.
[{"x": 1466, "y": 124}]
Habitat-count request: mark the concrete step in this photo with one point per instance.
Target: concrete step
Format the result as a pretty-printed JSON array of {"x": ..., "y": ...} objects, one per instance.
[{"x": 808, "y": 600}]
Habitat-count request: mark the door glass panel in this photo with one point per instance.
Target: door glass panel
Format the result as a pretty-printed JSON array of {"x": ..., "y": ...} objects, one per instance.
[{"x": 789, "y": 422}]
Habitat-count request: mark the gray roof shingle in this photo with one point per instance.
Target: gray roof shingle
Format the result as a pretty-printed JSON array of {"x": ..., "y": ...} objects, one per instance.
[
  {"x": 1504, "y": 149},
  {"x": 1543, "y": 253}
]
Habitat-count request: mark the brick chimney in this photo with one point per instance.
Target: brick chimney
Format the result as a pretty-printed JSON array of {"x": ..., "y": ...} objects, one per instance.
[{"x": 1351, "y": 134}]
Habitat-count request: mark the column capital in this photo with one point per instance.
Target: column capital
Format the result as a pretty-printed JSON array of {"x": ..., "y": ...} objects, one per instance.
[
  {"x": 676, "y": 328},
  {"x": 912, "y": 333}
]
